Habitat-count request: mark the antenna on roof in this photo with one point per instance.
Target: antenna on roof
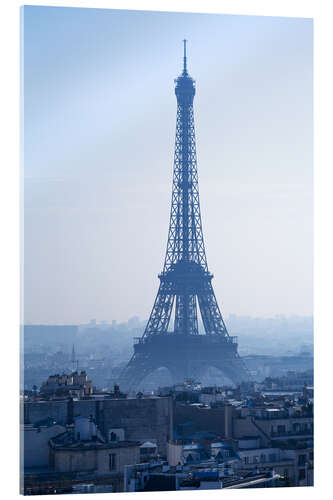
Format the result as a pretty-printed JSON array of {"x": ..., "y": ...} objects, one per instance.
[{"x": 73, "y": 358}]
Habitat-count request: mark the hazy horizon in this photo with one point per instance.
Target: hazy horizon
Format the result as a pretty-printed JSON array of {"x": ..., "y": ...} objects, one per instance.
[
  {"x": 99, "y": 125},
  {"x": 101, "y": 321}
]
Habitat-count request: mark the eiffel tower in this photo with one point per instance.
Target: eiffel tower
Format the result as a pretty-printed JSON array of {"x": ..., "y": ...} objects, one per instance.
[{"x": 185, "y": 282}]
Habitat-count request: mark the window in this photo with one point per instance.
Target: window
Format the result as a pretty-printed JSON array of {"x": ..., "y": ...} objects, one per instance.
[
  {"x": 112, "y": 461},
  {"x": 281, "y": 429},
  {"x": 301, "y": 474},
  {"x": 246, "y": 460},
  {"x": 262, "y": 458},
  {"x": 301, "y": 459},
  {"x": 255, "y": 459},
  {"x": 272, "y": 457},
  {"x": 113, "y": 436},
  {"x": 311, "y": 455}
]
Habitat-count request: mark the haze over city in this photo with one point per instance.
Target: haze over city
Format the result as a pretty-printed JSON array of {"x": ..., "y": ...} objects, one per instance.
[{"x": 99, "y": 118}]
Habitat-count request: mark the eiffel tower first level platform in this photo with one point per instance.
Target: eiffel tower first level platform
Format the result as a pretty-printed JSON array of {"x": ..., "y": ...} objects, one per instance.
[
  {"x": 171, "y": 338},
  {"x": 185, "y": 357}
]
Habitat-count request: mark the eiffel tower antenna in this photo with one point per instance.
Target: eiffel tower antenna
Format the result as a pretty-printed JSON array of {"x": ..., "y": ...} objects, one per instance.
[{"x": 185, "y": 62}]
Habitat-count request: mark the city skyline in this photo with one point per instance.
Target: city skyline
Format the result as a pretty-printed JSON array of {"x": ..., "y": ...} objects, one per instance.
[{"x": 91, "y": 109}]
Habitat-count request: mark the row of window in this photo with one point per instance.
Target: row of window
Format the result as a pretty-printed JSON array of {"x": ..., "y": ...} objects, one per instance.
[
  {"x": 271, "y": 457},
  {"x": 296, "y": 427}
]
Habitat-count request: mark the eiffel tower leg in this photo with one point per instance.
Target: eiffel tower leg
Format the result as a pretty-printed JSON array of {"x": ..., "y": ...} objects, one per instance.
[
  {"x": 137, "y": 369},
  {"x": 233, "y": 368}
]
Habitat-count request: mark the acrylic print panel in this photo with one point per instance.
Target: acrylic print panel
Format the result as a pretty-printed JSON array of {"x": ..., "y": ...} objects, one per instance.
[{"x": 168, "y": 322}]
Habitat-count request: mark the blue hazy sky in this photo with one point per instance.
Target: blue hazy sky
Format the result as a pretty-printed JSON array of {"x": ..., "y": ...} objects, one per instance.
[{"x": 99, "y": 124}]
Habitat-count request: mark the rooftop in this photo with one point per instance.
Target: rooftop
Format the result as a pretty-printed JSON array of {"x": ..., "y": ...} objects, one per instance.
[{"x": 66, "y": 441}]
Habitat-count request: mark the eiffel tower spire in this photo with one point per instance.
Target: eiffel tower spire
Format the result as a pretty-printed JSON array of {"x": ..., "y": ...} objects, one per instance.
[
  {"x": 185, "y": 282},
  {"x": 185, "y": 64}
]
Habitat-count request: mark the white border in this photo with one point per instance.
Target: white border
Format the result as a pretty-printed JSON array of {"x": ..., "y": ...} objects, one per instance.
[{"x": 321, "y": 11}]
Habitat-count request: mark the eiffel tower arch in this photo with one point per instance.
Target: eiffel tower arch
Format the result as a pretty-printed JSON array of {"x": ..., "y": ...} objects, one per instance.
[{"x": 185, "y": 282}]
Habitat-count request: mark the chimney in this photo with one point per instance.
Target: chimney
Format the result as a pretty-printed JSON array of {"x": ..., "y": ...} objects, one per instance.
[{"x": 228, "y": 431}]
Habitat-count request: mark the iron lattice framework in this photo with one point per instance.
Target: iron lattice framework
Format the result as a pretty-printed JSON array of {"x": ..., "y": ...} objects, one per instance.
[{"x": 185, "y": 282}]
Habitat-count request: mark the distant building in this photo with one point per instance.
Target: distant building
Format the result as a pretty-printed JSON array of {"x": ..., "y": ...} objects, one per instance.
[
  {"x": 161, "y": 477},
  {"x": 84, "y": 449},
  {"x": 147, "y": 419},
  {"x": 279, "y": 436},
  {"x": 36, "y": 442},
  {"x": 75, "y": 458},
  {"x": 222, "y": 451},
  {"x": 270, "y": 430},
  {"x": 74, "y": 384},
  {"x": 148, "y": 452}
]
